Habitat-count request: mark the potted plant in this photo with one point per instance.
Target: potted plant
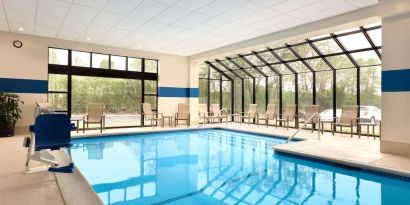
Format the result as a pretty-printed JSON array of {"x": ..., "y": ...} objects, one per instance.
[{"x": 9, "y": 113}]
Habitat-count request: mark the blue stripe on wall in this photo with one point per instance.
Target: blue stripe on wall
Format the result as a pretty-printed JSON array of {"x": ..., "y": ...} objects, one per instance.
[
  {"x": 178, "y": 92},
  {"x": 23, "y": 85},
  {"x": 396, "y": 80}
]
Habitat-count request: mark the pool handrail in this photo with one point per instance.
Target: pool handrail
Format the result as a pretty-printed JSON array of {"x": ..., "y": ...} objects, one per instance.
[{"x": 304, "y": 124}]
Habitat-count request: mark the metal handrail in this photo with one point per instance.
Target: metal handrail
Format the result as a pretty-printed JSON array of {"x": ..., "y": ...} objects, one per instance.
[{"x": 301, "y": 127}]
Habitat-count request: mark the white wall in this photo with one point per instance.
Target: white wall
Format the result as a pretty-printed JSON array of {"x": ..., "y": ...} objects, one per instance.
[
  {"x": 31, "y": 62},
  {"x": 395, "y": 104}
]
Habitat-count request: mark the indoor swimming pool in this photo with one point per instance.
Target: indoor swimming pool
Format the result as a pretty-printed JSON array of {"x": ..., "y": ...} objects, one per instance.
[{"x": 217, "y": 166}]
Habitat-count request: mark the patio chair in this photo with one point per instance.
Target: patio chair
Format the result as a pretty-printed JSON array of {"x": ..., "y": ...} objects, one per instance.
[
  {"x": 49, "y": 132},
  {"x": 183, "y": 114},
  {"x": 270, "y": 114},
  {"x": 219, "y": 114},
  {"x": 311, "y": 110},
  {"x": 349, "y": 118},
  {"x": 289, "y": 115},
  {"x": 151, "y": 116},
  {"x": 204, "y": 114},
  {"x": 95, "y": 116},
  {"x": 251, "y": 114}
]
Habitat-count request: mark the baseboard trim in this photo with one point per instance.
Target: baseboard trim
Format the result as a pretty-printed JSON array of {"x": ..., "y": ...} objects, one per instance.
[{"x": 396, "y": 148}]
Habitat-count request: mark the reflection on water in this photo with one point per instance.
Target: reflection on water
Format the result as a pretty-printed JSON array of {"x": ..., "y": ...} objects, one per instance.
[{"x": 221, "y": 167}]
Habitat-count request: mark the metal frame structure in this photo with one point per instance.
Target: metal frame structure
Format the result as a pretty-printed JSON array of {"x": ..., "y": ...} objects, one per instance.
[
  {"x": 70, "y": 70},
  {"x": 256, "y": 64}
]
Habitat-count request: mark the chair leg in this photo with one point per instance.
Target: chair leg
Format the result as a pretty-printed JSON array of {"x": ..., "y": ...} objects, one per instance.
[
  {"x": 101, "y": 127},
  {"x": 351, "y": 131},
  {"x": 333, "y": 129}
]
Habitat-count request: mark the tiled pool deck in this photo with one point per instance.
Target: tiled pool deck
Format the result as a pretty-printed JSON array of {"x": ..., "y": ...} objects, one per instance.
[{"x": 51, "y": 188}]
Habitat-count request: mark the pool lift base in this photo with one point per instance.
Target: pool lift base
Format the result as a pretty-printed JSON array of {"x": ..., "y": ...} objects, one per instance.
[{"x": 45, "y": 157}]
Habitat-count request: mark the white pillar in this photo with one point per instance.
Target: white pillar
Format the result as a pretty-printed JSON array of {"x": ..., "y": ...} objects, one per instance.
[{"x": 395, "y": 130}]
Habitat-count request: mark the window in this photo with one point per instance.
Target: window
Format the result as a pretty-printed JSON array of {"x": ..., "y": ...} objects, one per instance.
[
  {"x": 203, "y": 91},
  {"x": 237, "y": 96},
  {"x": 260, "y": 86},
  {"x": 151, "y": 66},
  {"x": 328, "y": 63},
  {"x": 324, "y": 96},
  {"x": 226, "y": 95},
  {"x": 118, "y": 63},
  {"x": 288, "y": 95},
  {"x": 58, "y": 92},
  {"x": 273, "y": 90},
  {"x": 305, "y": 89},
  {"x": 119, "y": 87},
  {"x": 134, "y": 64},
  {"x": 57, "y": 56},
  {"x": 248, "y": 94},
  {"x": 81, "y": 59},
  {"x": 121, "y": 98},
  {"x": 100, "y": 61},
  {"x": 370, "y": 93},
  {"x": 214, "y": 91}
]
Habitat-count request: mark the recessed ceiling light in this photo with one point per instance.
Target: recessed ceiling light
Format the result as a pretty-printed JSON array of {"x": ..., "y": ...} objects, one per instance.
[
  {"x": 88, "y": 39},
  {"x": 21, "y": 29}
]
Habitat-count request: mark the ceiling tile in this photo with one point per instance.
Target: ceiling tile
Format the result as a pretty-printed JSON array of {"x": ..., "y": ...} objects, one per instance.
[
  {"x": 289, "y": 5},
  {"x": 170, "y": 15},
  {"x": 148, "y": 9},
  {"x": 209, "y": 24},
  {"x": 45, "y": 31},
  {"x": 130, "y": 23},
  {"x": 74, "y": 26},
  {"x": 151, "y": 27},
  {"x": 168, "y": 1},
  {"x": 53, "y": 8},
  {"x": 169, "y": 31},
  {"x": 121, "y": 6},
  {"x": 225, "y": 28},
  {"x": 107, "y": 18},
  {"x": 265, "y": 3},
  {"x": 81, "y": 13},
  {"x": 49, "y": 21},
  {"x": 20, "y": 16},
  {"x": 240, "y": 11},
  {"x": 191, "y": 20},
  {"x": 219, "y": 6},
  {"x": 258, "y": 16},
  {"x": 14, "y": 27},
  {"x": 68, "y": 35},
  {"x": 25, "y": 5},
  {"x": 192, "y": 5},
  {"x": 91, "y": 3}
]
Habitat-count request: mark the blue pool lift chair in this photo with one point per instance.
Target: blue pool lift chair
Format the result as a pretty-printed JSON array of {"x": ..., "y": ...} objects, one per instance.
[{"x": 50, "y": 132}]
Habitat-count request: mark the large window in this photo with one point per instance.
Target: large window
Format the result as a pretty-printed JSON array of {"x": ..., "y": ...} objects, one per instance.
[
  {"x": 331, "y": 70},
  {"x": 121, "y": 99},
  {"x": 248, "y": 94},
  {"x": 260, "y": 86},
  {"x": 73, "y": 87},
  {"x": 227, "y": 95}
]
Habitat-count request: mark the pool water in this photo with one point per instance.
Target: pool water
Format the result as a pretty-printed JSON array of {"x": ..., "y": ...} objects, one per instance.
[{"x": 221, "y": 167}]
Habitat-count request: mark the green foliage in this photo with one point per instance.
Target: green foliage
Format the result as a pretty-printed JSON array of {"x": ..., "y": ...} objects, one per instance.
[{"x": 9, "y": 108}]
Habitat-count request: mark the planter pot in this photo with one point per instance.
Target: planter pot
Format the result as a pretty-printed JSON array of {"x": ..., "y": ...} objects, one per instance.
[{"x": 7, "y": 130}]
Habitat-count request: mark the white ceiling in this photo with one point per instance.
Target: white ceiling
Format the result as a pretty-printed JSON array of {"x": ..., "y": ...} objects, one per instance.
[{"x": 180, "y": 27}]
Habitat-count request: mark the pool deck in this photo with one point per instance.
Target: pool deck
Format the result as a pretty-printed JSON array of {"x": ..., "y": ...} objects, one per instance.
[{"x": 57, "y": 188}]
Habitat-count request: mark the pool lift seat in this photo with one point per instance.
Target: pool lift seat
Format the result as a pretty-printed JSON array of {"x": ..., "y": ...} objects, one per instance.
[{"x": 49, "y": 133}]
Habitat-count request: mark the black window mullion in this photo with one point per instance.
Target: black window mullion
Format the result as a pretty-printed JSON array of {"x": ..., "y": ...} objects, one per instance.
[
  {"x": 238, "y": 66},
  {"x": 282, "y": 61},
  {"x": 371, "y": 42}
]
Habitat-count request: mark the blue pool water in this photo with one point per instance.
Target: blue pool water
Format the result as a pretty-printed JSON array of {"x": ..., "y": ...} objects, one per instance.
[{"x": 221, "y": 167}]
